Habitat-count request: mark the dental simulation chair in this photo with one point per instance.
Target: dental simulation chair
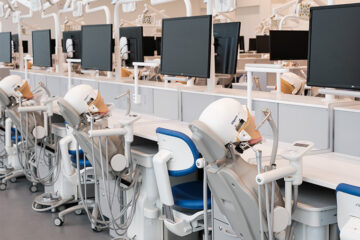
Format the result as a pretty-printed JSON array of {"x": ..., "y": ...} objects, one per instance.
[
  {"x": 183, "y": 204},
  {"x": 348, "y": 211},
  {"x": 247, "y": 195},
  {"x": 27, "y": 132},
  {"x": 106, "y": 150}
]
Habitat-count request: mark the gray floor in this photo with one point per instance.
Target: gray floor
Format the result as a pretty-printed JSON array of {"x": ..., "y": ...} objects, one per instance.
[{"x": 18, "y": 221}]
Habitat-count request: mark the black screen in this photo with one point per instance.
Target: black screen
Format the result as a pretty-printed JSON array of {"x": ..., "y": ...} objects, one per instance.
[
  {"x": 158, "y": 46},
  {"x": 241, "y": 43},
  {"x": 134, "y": 37},
  {"x": 252, "y": 44},
  {"x": 334, "y": 47},
  {"x": 288, "y": 45},
  {"x": 25, "y": 46},
  {"x": 15, "y": 40},
  {"x": 5, "y": 47},
  {"x": 76, "y": 38},
  {"x": 185, "y": 47},
  {"x": 149, "y": 46},
  {"x": 41, "y": 46},
  {"x": 263, "y": 44},
  {"x": 96, "y": 47},
  {"x": 226, "y": 37}
]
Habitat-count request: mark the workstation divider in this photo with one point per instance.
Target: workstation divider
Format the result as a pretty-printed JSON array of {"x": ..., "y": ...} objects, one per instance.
[{"x": 297, "y": 120}]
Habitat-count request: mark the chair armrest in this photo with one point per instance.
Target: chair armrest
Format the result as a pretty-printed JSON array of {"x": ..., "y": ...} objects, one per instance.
[{"x": 162, "y": 176}]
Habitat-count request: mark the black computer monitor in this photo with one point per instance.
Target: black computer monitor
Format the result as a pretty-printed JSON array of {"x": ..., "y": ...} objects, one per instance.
[
  {"x": 76, "y": 42},
  {"x": 185, "y": 47},
  {"x": 241, "y": 43},
  {"x": 96, "y": 47},
  {"x": 5, "y": 47},
  {"x": 134, "y": 36},
  {"x": 252, "y": 44},
  {"x": 334, "y": 49},
  {"x": 263, "y": 44},
  {"x": 226, "y": 36},
  {"x": 42, "y": 48},
  {"x": 149, "y": 46},
  {"x": 15, "y": 40},
  {"x": 158, "y": 45},
  {"x": 288, "y": 45},
  {"x": 25, "y": 46}
]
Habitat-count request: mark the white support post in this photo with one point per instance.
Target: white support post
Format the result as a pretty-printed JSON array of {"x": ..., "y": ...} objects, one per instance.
[
  {"x": 249, "y": 80},
  {"x": 262, "y": 68},
  {"x": 59, "y": 59},
  {"x": 118, "y": 57},
  {"x": 137, "y": 97},
  {"x": 188, "y": 8},
  {"x": 69, "y": 63},
  {"x": 26, "y": 59},
  {"x": 278, "y": 84}
]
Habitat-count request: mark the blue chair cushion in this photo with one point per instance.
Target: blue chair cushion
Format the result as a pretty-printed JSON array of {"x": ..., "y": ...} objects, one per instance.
[
  {"x": 81, "y": 161},
  {"x": 13, "y": 138},
  {"x": 73, "y": 152},
  {"x": 81, "y": 158},
  {"x": 190, "y": 195}
]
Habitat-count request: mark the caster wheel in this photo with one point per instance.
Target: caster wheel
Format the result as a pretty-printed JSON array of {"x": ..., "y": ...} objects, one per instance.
[
  {"x": 78, "y": 212},
  {"x": 13, "y": 180},
  {"x": 33, "y": 188},
  {"x": 96, "y": 229},
  {"x": 58, "y": 222},
  {"x": 3, "y": 186}
]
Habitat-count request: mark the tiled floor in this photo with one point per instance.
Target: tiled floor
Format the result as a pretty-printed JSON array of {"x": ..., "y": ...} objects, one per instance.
[{"x": 19, "y": 222}]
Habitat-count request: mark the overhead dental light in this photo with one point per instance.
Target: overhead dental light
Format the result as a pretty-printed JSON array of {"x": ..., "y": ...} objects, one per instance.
[
  {"x": 124, "y": 49},
  {"x": 225, "y": 5},
  {"x": 78, "y": 11},
  {"x": 16, "y": 16},
  {"x": 36, "y": 5},
  {"x": 155, "y": 2},
  {"x": 2, "y": 11},
  {"x": 70, "y": 48},
  {"x": 129, "y": 7}
]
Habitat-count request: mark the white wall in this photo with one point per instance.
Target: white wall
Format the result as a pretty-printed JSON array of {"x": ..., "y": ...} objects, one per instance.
[
  {"x": 173, "y": 9},
  {"x": 250, "y": 13}
]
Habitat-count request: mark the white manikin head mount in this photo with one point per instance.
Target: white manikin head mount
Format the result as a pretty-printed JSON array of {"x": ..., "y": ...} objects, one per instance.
[
  {"x": 69, "y": 114},
  {"x": 4, "y": 99},
  {"x": 225, "y": 186},
  {"x": 206, "y": 141}
]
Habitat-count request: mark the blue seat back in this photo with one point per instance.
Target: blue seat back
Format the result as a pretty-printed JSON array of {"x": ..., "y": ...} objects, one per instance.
[{"x": 183, "y": 149}]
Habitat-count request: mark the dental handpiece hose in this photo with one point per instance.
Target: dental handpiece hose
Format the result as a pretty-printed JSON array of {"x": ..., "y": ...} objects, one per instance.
[{"x": 275, "y": 135}]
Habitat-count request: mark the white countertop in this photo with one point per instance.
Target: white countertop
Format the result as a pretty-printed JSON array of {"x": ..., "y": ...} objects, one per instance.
[{"x": 327, "y": 169}]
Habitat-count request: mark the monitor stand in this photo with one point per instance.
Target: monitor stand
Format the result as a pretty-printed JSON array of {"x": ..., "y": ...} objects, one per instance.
[
  {"x": 331, "y": 93},
  {"x": 189, "y": 81}
]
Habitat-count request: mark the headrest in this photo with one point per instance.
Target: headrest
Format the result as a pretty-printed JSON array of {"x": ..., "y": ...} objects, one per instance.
[
  {"x": 4, "y": 99},
  {"x": 208, "y": 144},
  {"x": 69, "y": 114}
]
